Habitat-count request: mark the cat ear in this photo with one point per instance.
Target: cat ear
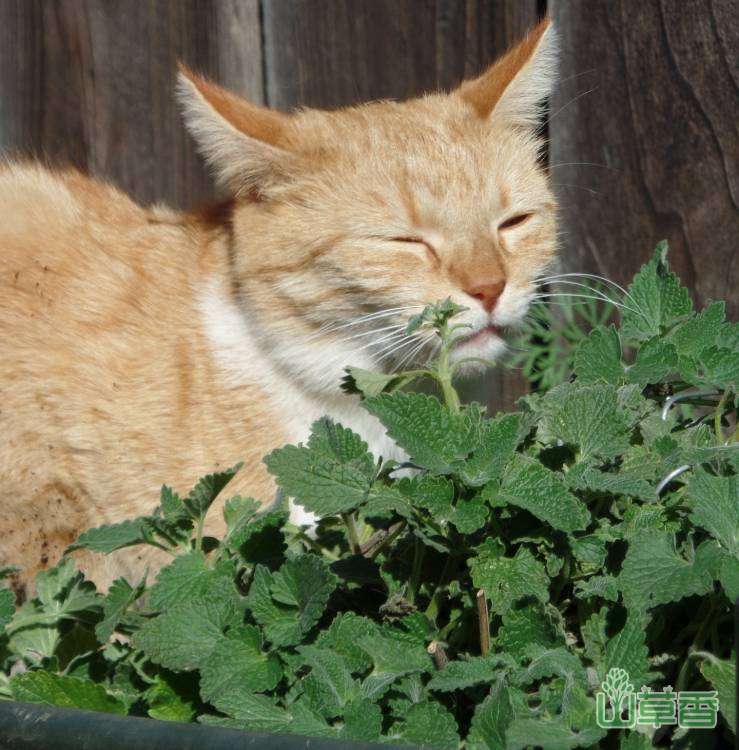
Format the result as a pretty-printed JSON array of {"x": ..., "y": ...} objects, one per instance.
[
  {"x": 514, "y": 86},
  {"x": 243, "y": 142}
]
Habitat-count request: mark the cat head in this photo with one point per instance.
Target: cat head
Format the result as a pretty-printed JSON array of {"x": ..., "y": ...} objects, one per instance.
[{"x": 347, "y": 222}]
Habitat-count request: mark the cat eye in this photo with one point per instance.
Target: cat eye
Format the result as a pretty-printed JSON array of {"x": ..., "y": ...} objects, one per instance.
[
  {"x": 514, "y": 221},
  {"x": 418, "y": 241}
]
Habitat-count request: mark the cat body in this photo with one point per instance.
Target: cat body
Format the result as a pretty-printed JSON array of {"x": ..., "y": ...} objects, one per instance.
[{"x": 142, "y": 346}]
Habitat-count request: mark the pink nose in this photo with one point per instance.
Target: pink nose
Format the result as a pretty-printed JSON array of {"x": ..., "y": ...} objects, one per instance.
[{"x": 488, "y": 293}]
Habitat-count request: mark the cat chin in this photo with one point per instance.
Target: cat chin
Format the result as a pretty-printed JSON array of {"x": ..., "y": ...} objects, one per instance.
[{"x": 486, "y": 346}]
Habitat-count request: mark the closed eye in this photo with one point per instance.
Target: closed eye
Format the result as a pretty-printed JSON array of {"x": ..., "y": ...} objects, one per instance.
[
  {"x": 514, "y": 221},
  {"x": 419, "y": 241}
]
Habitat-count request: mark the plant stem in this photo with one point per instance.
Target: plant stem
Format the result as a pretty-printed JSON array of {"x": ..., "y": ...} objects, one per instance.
[
  {"x": 439, "y": 655},
  {"x": 720, "y": 413},
  {"x": 419, "y": 551},
  {"x": 483, "y": 619},
  {"x": 351, "y": 533},
  {"x": 444, "y": 372}
]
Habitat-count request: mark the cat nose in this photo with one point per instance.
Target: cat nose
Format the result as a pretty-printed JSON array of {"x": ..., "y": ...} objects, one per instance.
[{"x": 488, "y": 293}]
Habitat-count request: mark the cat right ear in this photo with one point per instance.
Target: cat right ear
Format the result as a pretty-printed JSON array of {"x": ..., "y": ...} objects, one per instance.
[{"x": 246, "y": 144}]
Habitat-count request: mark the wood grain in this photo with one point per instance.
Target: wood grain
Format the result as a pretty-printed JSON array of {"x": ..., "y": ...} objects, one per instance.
[
  {"x": 644, "y": 138},
  {"x": 91, "y": 83}
]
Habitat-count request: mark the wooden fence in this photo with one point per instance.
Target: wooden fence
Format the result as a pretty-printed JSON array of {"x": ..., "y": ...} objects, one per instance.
[{"x": 643, "y": 128}]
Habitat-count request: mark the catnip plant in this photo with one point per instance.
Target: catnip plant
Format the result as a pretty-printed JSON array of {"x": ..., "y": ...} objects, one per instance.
[{"x": 477, "y": 596}]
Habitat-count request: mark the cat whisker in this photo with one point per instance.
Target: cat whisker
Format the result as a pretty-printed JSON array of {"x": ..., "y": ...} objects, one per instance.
[{"x": 604, "y": 279}]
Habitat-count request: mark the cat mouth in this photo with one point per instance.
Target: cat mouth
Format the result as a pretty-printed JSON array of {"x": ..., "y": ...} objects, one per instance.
[{"x": 480, "y": 335}]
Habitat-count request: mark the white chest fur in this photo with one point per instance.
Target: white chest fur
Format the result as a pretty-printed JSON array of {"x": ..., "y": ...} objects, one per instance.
[{"x": 242, "y": 361}]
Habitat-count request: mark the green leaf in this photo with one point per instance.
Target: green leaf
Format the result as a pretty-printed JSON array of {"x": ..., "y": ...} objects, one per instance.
[
  {"x": 188, "y": 577},
  {"x": 238, "y": 665},
  {"x": 169, "y": 700},
  {"x": 590, "y": 551},
  {"x": 392, "y": 659},
  {"x": 699, "y": 332},
  {"x": 255, "y": 713},
  {"x": 508, "y": 579},
  {"x": 587, "y": 417},
  {"x": 656, "y": 359},
  {"x": 498, "y": 441},
  {"x": 598, "y": 358},
  {"x": 330, "y": 682},
  {"x": 655, "y": 299},
  {"x": 550, "y": 734},
  {"x": 461, "y": 674},
  {"x": 584, "y": 477},
  {"x": 207, "y": 489},
  {"x": 491, "y": 720},
  {"x": 722, "y": 675},
  {"x": 469, "y": 515},
  {"x": 434, "y": 437},
  {"x": 183, "y": 637},
  {"x": 654, "y": 573},
  {"x": 530, "y": 485},
  {"x": 121, "y": 595},
  {"x": 369, "y": 383},
  {"x": 715, "y": 507},
  {"x": 108, "y": 538},
  {"x": 362, "y": 721},
  {"x": 290, "y": 602},
  {"x": 628, "y": 650},
  {"x": 429, "y": 725},
  {"x": 344, "y": 635},
  {"x": 331, "y": 475},
  {"x": 40, "y": 686},
  {"x": 729, "y": 577},
  {"x": 525, "y": 625},
  {"x": 7, "y": 607},
  {"x": 605, "y": 587},
  {"x": 546, "y": 662}
]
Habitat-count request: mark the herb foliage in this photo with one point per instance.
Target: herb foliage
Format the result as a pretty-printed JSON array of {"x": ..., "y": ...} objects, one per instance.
[{"x": 478, "y": 600}]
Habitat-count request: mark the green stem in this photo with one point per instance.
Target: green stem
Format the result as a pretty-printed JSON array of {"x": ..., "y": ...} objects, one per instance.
[
  {"x": 391, "y": 537},
  {"x": 351, "y": 533},
  {"x": 719, "y": 414},
  {"x": 199, "y": 536},
  {"x": 419, "y": 551},
  {"x": 433, "y": 608}
]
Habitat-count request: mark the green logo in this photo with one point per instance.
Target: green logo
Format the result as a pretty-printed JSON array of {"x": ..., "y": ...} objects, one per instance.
[{"x": 619, "y": 707}]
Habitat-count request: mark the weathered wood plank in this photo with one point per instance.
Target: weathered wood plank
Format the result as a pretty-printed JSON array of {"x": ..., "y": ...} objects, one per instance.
[
  {"x": 92, "y": 84},
  {"x": 651, "y": 151}
]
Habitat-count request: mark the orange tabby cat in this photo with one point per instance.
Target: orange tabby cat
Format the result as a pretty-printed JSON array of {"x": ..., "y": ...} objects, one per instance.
[{"x": 141, "y": 346}]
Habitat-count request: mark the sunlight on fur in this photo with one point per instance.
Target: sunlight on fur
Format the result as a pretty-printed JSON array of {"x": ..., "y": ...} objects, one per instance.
[{"x": 142, "y": 346}]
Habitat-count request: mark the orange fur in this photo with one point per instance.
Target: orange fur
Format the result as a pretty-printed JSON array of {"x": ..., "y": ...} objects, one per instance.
[{"x": 141, "y": 346}]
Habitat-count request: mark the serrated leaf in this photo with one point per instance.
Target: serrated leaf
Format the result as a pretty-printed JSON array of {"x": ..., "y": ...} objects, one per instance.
[
  {"x": 700, "y": 331},
  {"x": 526, "y": 625},
  {"x": 598, "y": 358},
  {"x": 585, "y": 477},
  {"x": 461, "y": 674},
  {"x": 530, "y": 485},
  {"x": 253, "y": 712},
  {"x": 628, "y": 650},
  {"x": 7, "y": 607},
  {"x": 551, "y": 734},
  {"x": 587, "y": 417},
  {"x": 505, "y": 580},
  {"x": 238, "y": 665},
  {"x": 344, "y": 635},
  {"x": 498, "y": 441},
  {"x": 186, "y": 578},
  {"x": 434, "y": 437},
  {"x": 429, "y": 725},
  {"x": 204, "y": 493},
  {"x": 369, "y": 383},
  {"x": 722, "y": 675},
  {"x": 469, "y": 515},
  {"x": 605, "y": 587},
  {"x": 392, "y": 659},
  {"x": 41, "y": 686},
  {"x": 331, "y": 475},
  {"x": 714, "y": 503},
  {"x": 183, "y": 637},
  {"x": 329, "y": 682},
  {"x": 654, "y": 573},
  {"x": 288, "y": 603},
  {"x": 169, "y": 700},
  {"x": 656, "y": 359},
  {"x": 491, "y": 720},
  {"x": 108, "y": 538},
  {"x": 119, "y": 598},
  {"x": 362, "y": 721},
  {"x": 655, "y": 299}
]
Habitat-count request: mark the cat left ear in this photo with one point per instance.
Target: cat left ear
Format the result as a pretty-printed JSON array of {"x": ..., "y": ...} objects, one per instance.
[
  {"x": 245, "y": 143},
  {"x": 515, "y": 85}
]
